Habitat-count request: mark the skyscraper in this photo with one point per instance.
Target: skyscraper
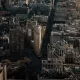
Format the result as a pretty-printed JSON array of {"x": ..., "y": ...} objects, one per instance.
[
  {"x": 17, "y": 39},
  {"x": 37, "y": 38},
  {"x": 35, "y": 35}
]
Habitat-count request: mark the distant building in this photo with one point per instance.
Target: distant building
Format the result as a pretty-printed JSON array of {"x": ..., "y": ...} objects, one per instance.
[
  {"x": 16, "y": 36},
  {"x": 16, "y": 43},
  {"x": 60, "y": 12},
  {"x": 23, "y": 2},
  {"x": 58, "y": 49},
  {"x": 57, "y": 36},
  {"x": 70, "y": 57},
  {"x": 52, "y": 65},
  {"x": 4, "y": 45},
  {"x": 41, "y": 18},
  {"x": 41, "y": 8},
  {"x": 37, "y": 38},
  {"x": 35, "y": 34}
]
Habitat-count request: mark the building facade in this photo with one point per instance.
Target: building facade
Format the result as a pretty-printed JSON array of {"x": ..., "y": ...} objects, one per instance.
[
  {"x": 53, "y": 65},
  {"x": 58, "y": 49},
  {"x": 34, "y": 33},
  {"x": 37, "y": 39},
  {"x": 16, "y": 36}
]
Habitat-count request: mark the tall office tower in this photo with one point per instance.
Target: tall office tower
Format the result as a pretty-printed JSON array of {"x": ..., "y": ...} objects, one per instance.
[
  {"x": 37, "y": 39},
  {"x": 17, "y": 39},
  {"x": 35, "y": 34}
]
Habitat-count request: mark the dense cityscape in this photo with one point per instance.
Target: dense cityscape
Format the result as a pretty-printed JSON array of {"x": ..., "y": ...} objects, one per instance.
[{"x": 39, "y": 39}]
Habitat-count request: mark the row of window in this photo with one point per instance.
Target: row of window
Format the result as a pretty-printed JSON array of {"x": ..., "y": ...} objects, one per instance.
[{"x": 52, "y": 67}]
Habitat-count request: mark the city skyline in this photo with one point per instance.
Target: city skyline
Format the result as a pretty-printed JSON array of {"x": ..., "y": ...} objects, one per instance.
[{"x": 39, "y": 39}]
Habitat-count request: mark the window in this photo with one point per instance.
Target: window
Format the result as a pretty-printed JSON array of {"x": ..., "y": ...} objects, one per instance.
[
  {"x": 49, "y": 61},
  {"x": 45, "y": 65},
  {"x": 43, "y": 61},
  {"x": 62, "y": 51},
  {"x": 49, "y": 66}
]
